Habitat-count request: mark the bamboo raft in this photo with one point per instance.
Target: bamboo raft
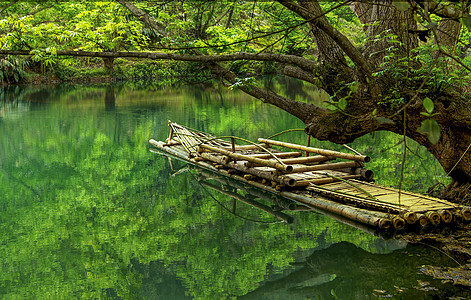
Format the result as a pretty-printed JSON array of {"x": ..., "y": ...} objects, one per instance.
[{"x": 332, "y": 181}]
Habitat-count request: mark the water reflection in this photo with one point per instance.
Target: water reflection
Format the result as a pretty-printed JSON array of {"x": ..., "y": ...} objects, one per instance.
[
  {"x": 345, "y": 271},
  {"x": 88, "y": 212}
]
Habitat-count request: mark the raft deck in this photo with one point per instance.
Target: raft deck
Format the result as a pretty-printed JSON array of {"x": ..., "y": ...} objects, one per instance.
[{"x": 333, "y": 181}]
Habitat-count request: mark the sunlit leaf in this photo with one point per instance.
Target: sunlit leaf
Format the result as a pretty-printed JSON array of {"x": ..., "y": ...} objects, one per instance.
[
  {"x": 342, "y": 104},
  {"x": 467, "y": 21},
  {"x": 431, "y": 129},
  {"x": 428, "y": 104}
]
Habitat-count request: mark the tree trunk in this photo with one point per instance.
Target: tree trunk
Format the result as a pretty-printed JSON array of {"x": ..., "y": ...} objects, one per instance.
[{"x": 391, "y": 25}]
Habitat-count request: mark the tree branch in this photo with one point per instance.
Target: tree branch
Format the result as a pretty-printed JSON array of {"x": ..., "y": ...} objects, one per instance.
[
  {"x": 8, "y": 5},
  {"x": 144, "y": 17},
  {"x": 343, "y": 42},
  {"x": 303, "y": 63},
  {"x": 301, "y": 110}
]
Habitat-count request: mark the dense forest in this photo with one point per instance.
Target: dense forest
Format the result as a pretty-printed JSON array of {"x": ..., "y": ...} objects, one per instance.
[{"x": 400, "y": 66}]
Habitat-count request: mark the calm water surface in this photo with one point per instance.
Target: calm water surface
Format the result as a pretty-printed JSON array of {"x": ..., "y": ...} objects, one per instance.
[{"x": 87, "y": 211}]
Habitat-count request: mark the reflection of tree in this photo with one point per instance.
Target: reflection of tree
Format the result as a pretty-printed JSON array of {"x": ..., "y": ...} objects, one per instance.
[
  {"x": 110, "y": 98},
  {"x": 345, "y": 271},
  {"x": 107, "y": 204}
]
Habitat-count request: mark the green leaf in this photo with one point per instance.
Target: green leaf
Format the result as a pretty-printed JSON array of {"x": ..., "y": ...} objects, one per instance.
[
  {"x": 431, "y": 129},
  {"x": 401, "y": 5},
  {"x": 375, "y": 111},
  {"x": 342, "y": 104},
  {"x": 383, "y": 120},
  {"x": 428, "y": 104},
  {"x": 466, "y": 21}
]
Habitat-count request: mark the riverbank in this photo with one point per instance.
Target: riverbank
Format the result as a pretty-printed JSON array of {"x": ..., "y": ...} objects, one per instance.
[{"x": 456, "y": 243}]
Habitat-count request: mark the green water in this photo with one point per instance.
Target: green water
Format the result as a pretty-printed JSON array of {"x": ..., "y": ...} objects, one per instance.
[{"x": 87, "y": 211}]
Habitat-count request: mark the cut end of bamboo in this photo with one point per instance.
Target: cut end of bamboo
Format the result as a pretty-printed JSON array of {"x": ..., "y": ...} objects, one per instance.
[
  {"x": 384, "y": 224},
  {"x": 410, "y": 217},
  {"x": 423, "y": 220},
  {"x": 446, "y": 216},
  {"x": 368, "y": 174},
  {"x": 399, "y": 223},
  {"x": 433, "y": 217},
  {"x": 466, "y": 214}
]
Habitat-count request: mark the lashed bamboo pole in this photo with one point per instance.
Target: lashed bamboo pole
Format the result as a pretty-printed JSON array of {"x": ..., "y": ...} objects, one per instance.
[
  {"x": 282, "y": 216},
  {"x": 365, "y": 173},
  {"x": 433, "y": 217},
  {"x": 299, "y": 183},
  {"x": 280, "y": 155},
  {"x": 422, "y": 220},
  {"x": 321, "y": 167},
  {"x": 446, "y": 216},
  {"x": 306, "y": 160},
  {"x": 410, "y": 217},
  {"x": 398, "y": 223},
  {"x": 466, "y": 214},
  {"x": 356, "y": 199},
  {"x": 248, "y": 147},
  {"x": 370, "y": 218},
  {"x": 301, "y": 160},
  {"x": 264, "y": 162},
  {"x": 239, "y": 166},
  {"x": 348, "y": 156}
]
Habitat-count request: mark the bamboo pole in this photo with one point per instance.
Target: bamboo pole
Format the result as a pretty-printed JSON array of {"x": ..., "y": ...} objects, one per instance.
[
  {"x": 306, "y": 160},
  {"x": 466, "y": 213},
  {"x": 321, "y": 167},
  {"x": 301, "y": 160},
  {"x": 277, "y": 154},
  {"x": 248, "y": 147},
  {"x": 446, "y": 216},
  {"x": 433, "y": 217},
  {"x": 398, "y": 223},
  {"x": 422, "y": 220},
  {"x": 365, "y": 173},
  {"x": 410, "y": 217},
  {"x": 264, "y": 162},
  {"x": 299, "y": 183},
  {"x": 370, "y": 218},
  {"x": 239, "y": 166},
  {"x": 361, "y": 158}
]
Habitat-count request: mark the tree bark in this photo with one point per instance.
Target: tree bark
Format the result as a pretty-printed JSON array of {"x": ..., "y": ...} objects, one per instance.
[{"x": 144, "y": 17}]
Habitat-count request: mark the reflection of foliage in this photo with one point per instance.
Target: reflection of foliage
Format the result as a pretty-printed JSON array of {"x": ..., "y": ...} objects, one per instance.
[
  {"x": 12, "y": 69},
  {"x": 83, "y": 200}
]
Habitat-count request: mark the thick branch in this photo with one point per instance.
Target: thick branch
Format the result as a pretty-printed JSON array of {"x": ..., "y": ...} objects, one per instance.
[
  {"x": 303, "y": 63},
  {"x": 301, "y": 110},
  {"x": 442, "y": 10},
  {"x": 341, "y": 40},
  {"x": 8, "y": 5},
  {"x": 299, "y": 74},
  {"x": 144, "y": 17}
]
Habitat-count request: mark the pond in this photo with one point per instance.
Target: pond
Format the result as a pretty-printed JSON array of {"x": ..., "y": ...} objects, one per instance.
[{"x": 87, "y": 211}]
